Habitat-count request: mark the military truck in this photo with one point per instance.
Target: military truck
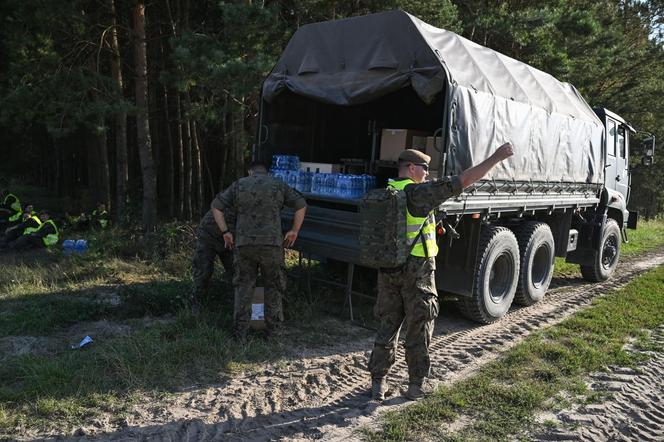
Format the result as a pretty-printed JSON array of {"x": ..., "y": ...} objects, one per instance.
[{"x": 564, "y": 193}]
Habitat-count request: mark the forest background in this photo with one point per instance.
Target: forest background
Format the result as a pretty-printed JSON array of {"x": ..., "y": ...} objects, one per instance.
[{"x": 150, "y": 106}]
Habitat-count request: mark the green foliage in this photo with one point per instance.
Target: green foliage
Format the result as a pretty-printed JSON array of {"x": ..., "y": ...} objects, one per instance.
[
  {"x": 52, "y": 68},
  {"x": 212, "y": 56}
]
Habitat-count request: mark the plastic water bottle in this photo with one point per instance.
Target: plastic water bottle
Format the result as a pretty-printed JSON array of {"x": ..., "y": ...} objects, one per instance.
[
  {"x": 303, "y": 181},
  {"x": 68, "y": 246},
  {"x": 81, "y": 246},
  {"x": 356, "y": 186},
  {"x": 318, "y": 183},
  {"x": 276, "y": 162},
  {"x": 291, "y": 177},
  {"x": 328, "y": 188},
  {"x": 294, "y": 161}
]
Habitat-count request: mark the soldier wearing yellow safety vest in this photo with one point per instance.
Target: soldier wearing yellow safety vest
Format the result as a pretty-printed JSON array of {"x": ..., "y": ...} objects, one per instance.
[
  {"x": 10, "y": 210},
  {"x": 29, "y": 224},
  {"x": 407, "y": 294},
  {"x": 46, "y": 235},
  {"x": 99, "y": 217}
]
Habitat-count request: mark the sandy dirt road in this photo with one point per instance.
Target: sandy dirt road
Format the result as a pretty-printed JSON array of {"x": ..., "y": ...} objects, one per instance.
[{"x": 322, "y": 394}]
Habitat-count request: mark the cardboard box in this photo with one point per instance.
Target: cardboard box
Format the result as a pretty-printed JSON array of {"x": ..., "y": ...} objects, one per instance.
[
  {"x": 320, "y": 167},
  {"x": 258, "y": 309},
  {"x": 432, "y": 152},
  {"x": 394, "y": 141},
  {"x": 420, "y": 143}
]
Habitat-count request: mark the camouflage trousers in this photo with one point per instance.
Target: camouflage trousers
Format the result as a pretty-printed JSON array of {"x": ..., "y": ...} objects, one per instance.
[
  {"x": 207, "y": 250},
  {"x": 406, "y": 297},
  {"x": 248, "y": 260}
]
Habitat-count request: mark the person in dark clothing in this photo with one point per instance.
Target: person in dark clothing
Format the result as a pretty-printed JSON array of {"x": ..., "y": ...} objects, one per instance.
[
  {"x": 258, "y": 240},
  {"x": 99, "y": 217},
  {"x": 29, "y": 224},
  {"x": 10, "y": 211},
  {"x": 209, "y": 246},
  {"x": 45, "y": 236},
  {"x": 9, "y": 204}
]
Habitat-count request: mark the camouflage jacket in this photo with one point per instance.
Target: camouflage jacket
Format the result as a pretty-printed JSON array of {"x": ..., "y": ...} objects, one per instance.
[
  {"x": 208, "y": 229},
  {"x": 258, "y": 200}
]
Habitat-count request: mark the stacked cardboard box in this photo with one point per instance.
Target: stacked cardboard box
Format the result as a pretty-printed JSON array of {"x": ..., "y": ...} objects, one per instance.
[
  {"x": 394, "y": 141},
  {"x": 320, "y": 167}
]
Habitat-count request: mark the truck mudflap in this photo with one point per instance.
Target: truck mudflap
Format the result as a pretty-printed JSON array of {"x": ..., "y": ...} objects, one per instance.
[
  {"x": 632, "y": 220},
  {"x": 455, "y": 264},
  {"x": 590, "y": 237}
]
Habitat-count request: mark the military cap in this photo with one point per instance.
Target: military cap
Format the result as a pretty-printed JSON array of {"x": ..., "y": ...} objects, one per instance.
[{"x": 414, "y": 156}]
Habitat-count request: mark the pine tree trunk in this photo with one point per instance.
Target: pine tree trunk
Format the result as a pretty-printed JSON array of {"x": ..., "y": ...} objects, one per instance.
[
  {"x": 170, "y": 185},
  {"x": 240, "y": 141},
  {"x": 142, "y": 121},
  {"x": 188, "y": 169},
  {"x": 180, "y": 157},
  {"x": 199, "y": 169},
  {"x": 119, "y": 125},
  {"x": 104, "y": 176}
]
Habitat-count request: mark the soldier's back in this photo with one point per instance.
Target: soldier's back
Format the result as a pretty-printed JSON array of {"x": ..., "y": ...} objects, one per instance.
[{"x": 259, "y": 200}]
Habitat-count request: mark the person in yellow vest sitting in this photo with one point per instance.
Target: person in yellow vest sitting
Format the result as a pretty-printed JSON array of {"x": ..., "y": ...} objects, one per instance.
[
  {"x": 44, "y": 236},
  {"x": 9, "y": 203},
  {"x": 10, "y": 210},
  {"x": 30, "y": 223},
  {"x": 99, "y": 217}
]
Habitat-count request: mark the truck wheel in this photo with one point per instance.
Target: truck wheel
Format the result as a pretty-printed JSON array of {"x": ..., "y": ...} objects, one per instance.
[
  {"x": 607, "y": 258},
  {"x": 537, "y": 255},
  {"x": 496, "y": 275}
]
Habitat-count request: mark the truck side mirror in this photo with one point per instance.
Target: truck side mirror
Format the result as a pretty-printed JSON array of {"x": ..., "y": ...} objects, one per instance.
[{"x": 649, "y": 149}]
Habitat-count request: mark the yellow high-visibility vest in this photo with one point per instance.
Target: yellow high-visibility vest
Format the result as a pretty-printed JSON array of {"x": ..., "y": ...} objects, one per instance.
[
  {"x": 51, "y": 238},
  {"x": 16, "y": 205},
  {"x": 29, "y": 230},
  {"x": 426, "y": 245}
]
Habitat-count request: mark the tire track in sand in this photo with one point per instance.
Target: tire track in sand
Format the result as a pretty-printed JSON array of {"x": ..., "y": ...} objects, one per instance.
[
  {"x": 634, "y": 412},
  {"x": 327, "y": 397}
]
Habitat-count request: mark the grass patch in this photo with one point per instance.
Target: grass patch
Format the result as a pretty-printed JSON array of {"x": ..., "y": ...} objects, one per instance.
[
  {"x": 502, "y": 398},
  {"x": 165, "y": 356},
  {"x": 144, "y": 291}
]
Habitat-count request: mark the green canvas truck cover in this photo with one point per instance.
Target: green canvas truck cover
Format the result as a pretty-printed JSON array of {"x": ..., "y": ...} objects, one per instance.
[{"x": 490, "y": 98}]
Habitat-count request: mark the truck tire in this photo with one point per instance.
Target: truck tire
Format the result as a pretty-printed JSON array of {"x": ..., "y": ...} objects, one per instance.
[
  {"x": 537, "y": 254},
  {"x": 606, "y": 260},
  {"x": 496, "y": 276}
]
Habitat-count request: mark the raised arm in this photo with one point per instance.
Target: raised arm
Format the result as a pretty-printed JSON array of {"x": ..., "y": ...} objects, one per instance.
[{"x": 476, "y": 173}]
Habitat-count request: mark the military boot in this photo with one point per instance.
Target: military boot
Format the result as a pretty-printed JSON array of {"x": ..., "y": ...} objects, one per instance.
[
  {"x": 378, "y": 389},
  {"x": 415, "y": 391}
]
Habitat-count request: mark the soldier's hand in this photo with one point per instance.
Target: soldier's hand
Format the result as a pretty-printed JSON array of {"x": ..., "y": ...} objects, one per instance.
[
  {"x": 505, "y": 151},
  {"x": 229, "y": 243},
  {"x": 289, "y": 238}
]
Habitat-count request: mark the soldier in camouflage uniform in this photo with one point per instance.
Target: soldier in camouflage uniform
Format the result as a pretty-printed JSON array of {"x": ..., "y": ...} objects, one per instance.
[
  {"x": 407, "y": 294},
  {"x": 209, "y": 246},
  {"x": 258, "y": 242}
]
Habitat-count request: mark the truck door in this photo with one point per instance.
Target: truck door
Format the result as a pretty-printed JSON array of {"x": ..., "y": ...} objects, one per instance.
[{"x": 622, "y": 162}]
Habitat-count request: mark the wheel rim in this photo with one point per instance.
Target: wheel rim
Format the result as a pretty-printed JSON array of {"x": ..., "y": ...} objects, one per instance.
[
  {"x": 500, "y": 279},
  {"x": 541, "y": 266},
  {"x": 610, "y": 252}
]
